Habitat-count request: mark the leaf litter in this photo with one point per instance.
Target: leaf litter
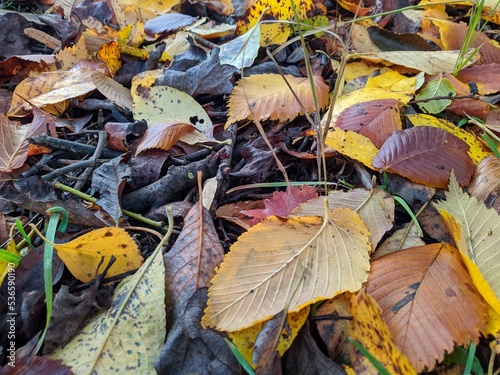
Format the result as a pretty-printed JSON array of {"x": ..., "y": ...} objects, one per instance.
[{"x": 122, "y": 120}]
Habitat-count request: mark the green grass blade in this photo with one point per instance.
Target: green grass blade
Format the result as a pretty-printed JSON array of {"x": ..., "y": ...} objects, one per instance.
[{"x": 242, "y": 361}]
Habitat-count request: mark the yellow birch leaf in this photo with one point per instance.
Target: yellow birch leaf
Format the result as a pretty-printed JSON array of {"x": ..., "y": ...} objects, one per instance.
[
  {"x": 269, "y": 97},
  {"x": 477, "y": 149},
  {"x": 69, "y": 56},
  {"x": 312, "y": 258},
  {"x": 476, "y": 231},
  {"x": 493, "y": 326},
  {"x": 83, "y": 256},
  {"x": 393, "y": 82},
  {"x": 353, "y": 145},
  {"x": 368, "y": 328},
  {"x": 245, "y": 339}
]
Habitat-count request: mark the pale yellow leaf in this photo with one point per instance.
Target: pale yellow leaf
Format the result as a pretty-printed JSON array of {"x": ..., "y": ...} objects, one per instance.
[
  {"x": 353, "y": 145},
  {"x": 479, "y": 238},
  {"x": 112, "y": 90},
  {"x": 307, "y": 257},
  {"x": 127, "y": 337},
  {"x": 403, "y": 238},
  {"x": 376, "y": 209},
  {"x": 429, "y": 62},
  {"x": 269, "y": 97},
  {"x": 160, "y": 104}
]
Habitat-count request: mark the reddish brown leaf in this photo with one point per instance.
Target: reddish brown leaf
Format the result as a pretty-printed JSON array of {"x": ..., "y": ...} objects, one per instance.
[
  {"x": 376, "y": 119},
  {"x": 426, "y": 155},
  {"x": 486, "y": 77},
  {"x": 428, "y": 301}
]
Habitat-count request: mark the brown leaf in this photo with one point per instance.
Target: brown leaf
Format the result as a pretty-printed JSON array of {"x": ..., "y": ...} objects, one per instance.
[
  {"x": 14, "y": 138},
  {"x": 375, "y": 119},
  {"x": 305, "y": 358},
  {"x": 486, "y": 77},
  {"x": 164, "y": 135},
  {"x": 190, "y": 264},
  {"x": 191, "y": 349},
  {"x": 426, "y": 155},
  {"x": 428, "y": 301},
  {"x": 486, "y": 183}
]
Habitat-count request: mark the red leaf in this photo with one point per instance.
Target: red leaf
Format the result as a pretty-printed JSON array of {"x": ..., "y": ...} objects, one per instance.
[{"x": 426, "y": 155}]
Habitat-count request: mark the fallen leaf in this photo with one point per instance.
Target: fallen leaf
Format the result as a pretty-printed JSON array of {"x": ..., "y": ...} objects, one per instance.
[
  {"x": 253, "y": 282},
  {"x": 428, "y": 301},
  {"x": 14, "y": 138},
  {"x": 477, "y": 149},
  {"x": 425, "y": 155},
  {"x": 269, "y": 97},
  {"x": 163, "y": 136},
  {"x": 369, "y": 329},
  {"x": 83, "y": 256},
  {"x": 477, "y": 238},
  {"x": 437, "y": 87},
  {"x": 245, "y": 339},
  {"x": 160, "y": 104},
  {"x": 112, "y": 90},
  {"x": 375, "y": 119},
  {"x": 485, "y": 185},
  {"x": 375, "y": 207},
  {"x": 281, "y": 203},
  {"x": 401, "y": 239},
  {"x": 133, "y": 326},
  {"x": 190, "y": 264},
  {"x": 353, "y": 145}
]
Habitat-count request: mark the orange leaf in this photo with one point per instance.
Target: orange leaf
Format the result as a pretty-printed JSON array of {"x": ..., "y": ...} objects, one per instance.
[
  {"x": 368, "y": 328},
  {"x": 426, "y": 155},
  {"x": 269, "y": 97},
  {"x": 428, "y": 301},
  {"x": 83, "y": 256},
  {"x": 163, "y": 136}
]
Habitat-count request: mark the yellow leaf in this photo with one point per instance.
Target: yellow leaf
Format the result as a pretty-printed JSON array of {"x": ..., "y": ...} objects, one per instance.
[
  {"x": 269, "y": 97},
  {"x": 477, "y": 150},
  {"x": 83, "y": 256},
  {"x": 353, "y": 145},
  {"x": 278, "y": 10},
  {"x": 69, "y": 56},
  {"x": 244, "y": 340},
  {"x": 393, "y": 82},
  {"x": 429, "y": 62},
  {"x": 368, "y": 328},
  {"x": 50, "y": 88},
  {"x": 481, "y": 284},
  {"x": 476, "y": 231},
  {"x": 109, "y": 54},
  {"x": 5, "y": 267},
  {"x": 274, "y": 33},
  {"x": 312, "y": 258}
]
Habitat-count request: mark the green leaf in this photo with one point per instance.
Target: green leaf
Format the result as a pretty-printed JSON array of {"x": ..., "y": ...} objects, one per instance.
[{"x": 436, "y": 88}]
